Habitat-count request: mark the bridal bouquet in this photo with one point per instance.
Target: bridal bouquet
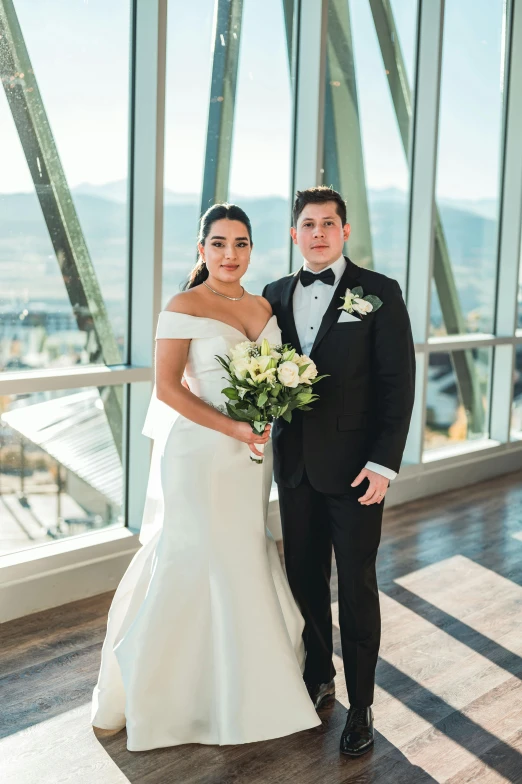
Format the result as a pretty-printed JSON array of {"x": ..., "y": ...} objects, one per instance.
[{"x": 267, "y": 382}]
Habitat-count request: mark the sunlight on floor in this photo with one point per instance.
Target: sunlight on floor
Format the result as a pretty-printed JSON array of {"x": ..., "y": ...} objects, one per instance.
[
  {"x": 451, "y": 675},
  {"x": 479, "y": 597},
  {"x": 27, "y": 757}
]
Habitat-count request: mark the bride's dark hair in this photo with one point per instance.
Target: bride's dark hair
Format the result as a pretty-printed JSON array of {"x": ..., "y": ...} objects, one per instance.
[{"x": 213, "y": 214}]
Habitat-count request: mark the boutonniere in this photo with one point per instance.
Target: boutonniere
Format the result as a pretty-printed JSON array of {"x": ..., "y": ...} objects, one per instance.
[{"x": 355, "y": 301}]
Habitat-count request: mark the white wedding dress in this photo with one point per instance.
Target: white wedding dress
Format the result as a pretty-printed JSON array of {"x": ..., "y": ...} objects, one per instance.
[{"x": 203, "y": 640}]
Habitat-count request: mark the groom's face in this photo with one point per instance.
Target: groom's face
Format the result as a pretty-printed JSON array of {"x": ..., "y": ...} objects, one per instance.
[{"x": 320, "y": 234}]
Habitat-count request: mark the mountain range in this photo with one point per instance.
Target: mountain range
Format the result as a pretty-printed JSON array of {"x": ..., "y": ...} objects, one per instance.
[{"x": 29, "y": 271}]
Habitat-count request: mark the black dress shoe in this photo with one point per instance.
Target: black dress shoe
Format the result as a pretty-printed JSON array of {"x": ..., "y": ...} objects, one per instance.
[
  {"x": 320, "y": 693},
  {"x": 357, "y": 737}
]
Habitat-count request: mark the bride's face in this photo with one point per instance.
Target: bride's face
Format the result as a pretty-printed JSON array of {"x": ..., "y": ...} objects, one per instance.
[{"x": 227, "y": 250}]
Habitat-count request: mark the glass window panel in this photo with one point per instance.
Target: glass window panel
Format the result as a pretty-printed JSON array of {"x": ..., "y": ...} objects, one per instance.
[
  {"x": 60, "y": 468},
  {"x": 367, "y": 128},
  {"x": 516, "y": 411},
  {"x": 83, "y": 80},
  {"x": 469, "y": 158},
  {"x": 189, "y": 70},
  {"x": 260, "y": 164},
  {"x": 260, "y": 157},
  {"x": 519, "y": 297},
  {"x": 457, "y": 403}
]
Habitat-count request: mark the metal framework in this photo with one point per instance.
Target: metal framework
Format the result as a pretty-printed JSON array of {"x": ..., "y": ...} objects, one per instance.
[
  {"x": 326, "y": 136},
  {"x": 343, "y": 161},
  {"x": 225, "y": 59},
  {"x": 443, "y": 277},
  {"x": 58, "y": 210}
]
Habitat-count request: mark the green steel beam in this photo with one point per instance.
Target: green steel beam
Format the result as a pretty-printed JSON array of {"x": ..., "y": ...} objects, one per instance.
[
  {"x": 288, "y": 13},
  {"x": 465, "y": 371},
  {"x": 57, "y": 205},
  {"x": 343, "y": 160},
  {"x": 227, "y": 35}
]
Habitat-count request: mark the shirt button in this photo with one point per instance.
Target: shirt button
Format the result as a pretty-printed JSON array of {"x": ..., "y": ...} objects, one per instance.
[
  {"x": 311, "y": 327},
  {"x": 316, "y": 298}
]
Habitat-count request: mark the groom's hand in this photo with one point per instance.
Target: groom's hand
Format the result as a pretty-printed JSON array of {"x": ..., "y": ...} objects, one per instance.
[{"x": 377, "y": 489}]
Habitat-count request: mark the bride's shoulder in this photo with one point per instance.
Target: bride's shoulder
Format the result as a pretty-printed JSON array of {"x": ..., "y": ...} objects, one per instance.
[
  {"x": 186, "y": 302},
  {"x": 265, "y": 304}
]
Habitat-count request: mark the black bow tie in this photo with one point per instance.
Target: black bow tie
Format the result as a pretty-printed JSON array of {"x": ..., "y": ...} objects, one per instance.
[{"x": 327, "y": 276}]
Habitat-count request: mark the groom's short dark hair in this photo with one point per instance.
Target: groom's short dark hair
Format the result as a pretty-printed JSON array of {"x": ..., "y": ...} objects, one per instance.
[{"x": 318, "y": 195}]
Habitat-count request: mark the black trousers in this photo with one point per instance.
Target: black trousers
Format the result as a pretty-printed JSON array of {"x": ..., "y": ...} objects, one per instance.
[{"x": 312, "y": 522}]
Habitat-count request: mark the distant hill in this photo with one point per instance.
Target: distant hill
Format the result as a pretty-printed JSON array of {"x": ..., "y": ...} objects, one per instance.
[{"x": 28, "y": 268}]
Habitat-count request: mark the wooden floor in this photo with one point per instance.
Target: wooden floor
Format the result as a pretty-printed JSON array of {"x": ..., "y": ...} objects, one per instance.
[{"x": 448, "y": 703}]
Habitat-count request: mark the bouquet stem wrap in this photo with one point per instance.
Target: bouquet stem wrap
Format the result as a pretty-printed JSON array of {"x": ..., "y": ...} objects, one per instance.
[{"x": 255, "y": 458}]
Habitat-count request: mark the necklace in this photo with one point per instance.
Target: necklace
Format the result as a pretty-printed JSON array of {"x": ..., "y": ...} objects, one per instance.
[{"x": 234, "y": 299}]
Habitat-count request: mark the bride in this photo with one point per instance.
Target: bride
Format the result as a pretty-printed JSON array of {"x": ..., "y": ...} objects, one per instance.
[{"x": 203, "y": 640}]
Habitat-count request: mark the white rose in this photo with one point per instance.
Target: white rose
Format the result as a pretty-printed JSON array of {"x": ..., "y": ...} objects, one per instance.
[
  {"x": 308, "y": 374},
  {"x": 362, "y": 307},
  {"x": 288, "y": 374}
]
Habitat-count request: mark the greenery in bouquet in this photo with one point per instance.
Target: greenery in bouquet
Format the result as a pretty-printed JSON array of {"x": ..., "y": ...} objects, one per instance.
[{"x": 267, "y": 382}]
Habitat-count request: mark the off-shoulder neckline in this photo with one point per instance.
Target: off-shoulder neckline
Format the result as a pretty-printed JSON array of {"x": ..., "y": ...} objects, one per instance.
[{"x": 217, "y": 321}]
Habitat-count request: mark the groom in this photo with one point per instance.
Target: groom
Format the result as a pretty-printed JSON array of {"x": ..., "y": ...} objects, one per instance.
[{"x": 333, "y": 464}]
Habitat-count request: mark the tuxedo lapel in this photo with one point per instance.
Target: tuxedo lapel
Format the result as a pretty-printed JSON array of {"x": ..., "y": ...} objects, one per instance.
[
  {"x": 348, "y": 280},
  {"x": 287, "y": 311}
]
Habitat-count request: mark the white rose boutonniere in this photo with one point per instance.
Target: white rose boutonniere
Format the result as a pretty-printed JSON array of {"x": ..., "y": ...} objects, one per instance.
[{"x": 354, "y": 301}]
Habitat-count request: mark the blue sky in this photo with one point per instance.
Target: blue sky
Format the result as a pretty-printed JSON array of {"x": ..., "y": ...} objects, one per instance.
[{"x": 79, "y": 50}]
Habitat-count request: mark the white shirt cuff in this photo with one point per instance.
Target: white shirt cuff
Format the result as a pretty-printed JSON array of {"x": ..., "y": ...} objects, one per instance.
[{"x": 379, "y": 469}]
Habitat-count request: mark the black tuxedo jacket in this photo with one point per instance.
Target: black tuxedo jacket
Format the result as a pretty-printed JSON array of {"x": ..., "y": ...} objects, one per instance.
[{"x": 365, "y": 405}]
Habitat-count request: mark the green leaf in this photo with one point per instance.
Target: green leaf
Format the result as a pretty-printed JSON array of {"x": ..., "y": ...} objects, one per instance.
[
  {"x": 238, "y": 416},
  {"x": 373, "y": 300},
  {"x": 357, "y": 291},
  {"x": 259, "y": 427},
  {"x": 303, "y": 368},
  {"x": 223, "y": 361},
  {"x": 287, "y": 416},
  {"x": 231, "y": 393},
  {"x": 261, "y": 400}
]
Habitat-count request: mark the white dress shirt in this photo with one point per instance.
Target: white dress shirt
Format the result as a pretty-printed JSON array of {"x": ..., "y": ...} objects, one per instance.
[{"x": 310, "y": 304}]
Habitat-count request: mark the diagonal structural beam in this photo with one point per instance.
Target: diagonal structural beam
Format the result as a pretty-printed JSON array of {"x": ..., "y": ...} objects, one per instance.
[
  {"x": 288, "y": 13},
  {"x": 343, "y": 160},
  {"x": 465, "y": 371},
  {"x": 227, "y": 35},
  {"x": 57, "y": 205}
]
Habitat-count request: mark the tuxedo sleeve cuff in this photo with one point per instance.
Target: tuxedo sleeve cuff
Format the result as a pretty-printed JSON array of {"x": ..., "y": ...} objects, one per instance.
[{"x": 379, "y": 469}]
